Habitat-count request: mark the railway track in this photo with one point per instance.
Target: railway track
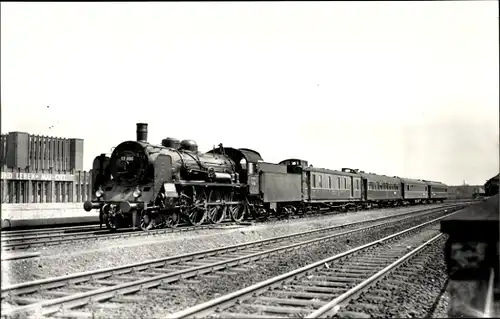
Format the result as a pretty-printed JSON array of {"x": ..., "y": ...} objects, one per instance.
[
  {"x": 52, "y": 230},
  {"x": 337, "y": 286},
  {"x": 49, "y": 296},
  {"x": 25, "y": 239},
  {"x": 12, "y": 243}
]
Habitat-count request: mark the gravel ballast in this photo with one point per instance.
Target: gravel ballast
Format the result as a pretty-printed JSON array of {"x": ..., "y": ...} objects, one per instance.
[
  {"x": 161, "y": 302},
  {"x": 413, "y": 290},
  {"x": 84, "y": 256}
]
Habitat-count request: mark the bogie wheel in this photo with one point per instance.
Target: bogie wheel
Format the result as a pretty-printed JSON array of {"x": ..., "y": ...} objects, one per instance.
[
  {"x": 288, "y": 211},
  {"x": 172, "y": 220},
  {"x": 147, "y": 221},
  {"x": 238, "y": 212},
  {"x": 111, "y": 223},
  {"x": 197, "y": 211},
  {"x": 217, "y": 213}
]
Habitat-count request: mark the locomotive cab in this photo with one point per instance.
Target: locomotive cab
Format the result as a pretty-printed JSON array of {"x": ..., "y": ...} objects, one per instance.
[{"x": 294, "y": 165}]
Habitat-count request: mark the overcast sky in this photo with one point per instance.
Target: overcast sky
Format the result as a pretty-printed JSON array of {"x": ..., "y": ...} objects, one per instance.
[{"x": 402, "y": 88}]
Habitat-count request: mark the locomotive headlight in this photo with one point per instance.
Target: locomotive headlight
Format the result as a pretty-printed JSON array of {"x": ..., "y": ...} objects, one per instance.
[
  {"x": 137, "y": 193},
  {"x": 99, "y": 192}
]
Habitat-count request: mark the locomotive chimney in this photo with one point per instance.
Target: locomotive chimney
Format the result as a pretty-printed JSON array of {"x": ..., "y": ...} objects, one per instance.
[{"x": 142, "y": 132}]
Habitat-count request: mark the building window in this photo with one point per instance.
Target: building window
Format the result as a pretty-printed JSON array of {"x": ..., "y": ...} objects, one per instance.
[
  {"x": 33, "y": 192},
  {"x": 56, "y": 192},
  {"x": 39, "y": 192},
  {"x": 78, "y": 192},
  {"x": 48, "y": 198},
  {"x": 10, "y": 192},
  {"x": 66, "y": 192},
  {"x": 22, "y": 194}
]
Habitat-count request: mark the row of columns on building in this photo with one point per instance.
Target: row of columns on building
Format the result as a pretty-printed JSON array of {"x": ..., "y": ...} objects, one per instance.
[
  {"x": 46, "y": 152},
  {"x": 29, "y": 191}
]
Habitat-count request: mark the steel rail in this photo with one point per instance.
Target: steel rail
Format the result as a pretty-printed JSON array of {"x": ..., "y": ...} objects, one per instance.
[
  {"x": 224, "y": 249},
  {"x": 25, "y": 239},
  {"x": 10, "y": 244},
  {"x": 6, "y": 257},
  {"x": 335, "y": 303},
  {"x": 16, "y": 244},
  {"x": 98, "y": 294},
  {"x": 203, "y": 309},
  {"x": 23, "y": 232}
]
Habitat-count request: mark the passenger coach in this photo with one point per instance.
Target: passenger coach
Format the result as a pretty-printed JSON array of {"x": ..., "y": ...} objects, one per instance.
[{"x": 381, "y": 189}]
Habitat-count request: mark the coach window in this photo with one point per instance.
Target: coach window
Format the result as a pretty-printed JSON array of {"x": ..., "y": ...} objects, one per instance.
[
  {"x": 357, "y": 184},
  {"x": 345, "y": 183},
  {"x": 329, "y": 182},
  {"x": 320, "y": 181},
  {"x": 313, "y": 180}
]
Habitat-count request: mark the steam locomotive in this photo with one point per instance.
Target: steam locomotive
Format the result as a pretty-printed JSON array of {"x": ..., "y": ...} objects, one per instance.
[{"x": 154, "y": 186}]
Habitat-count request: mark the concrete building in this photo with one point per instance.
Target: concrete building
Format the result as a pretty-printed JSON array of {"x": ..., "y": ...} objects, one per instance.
[{"x": 42, "y": 169}]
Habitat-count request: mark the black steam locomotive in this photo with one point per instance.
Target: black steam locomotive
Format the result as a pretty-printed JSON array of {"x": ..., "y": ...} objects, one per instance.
[{"x": 151, "y": 186}]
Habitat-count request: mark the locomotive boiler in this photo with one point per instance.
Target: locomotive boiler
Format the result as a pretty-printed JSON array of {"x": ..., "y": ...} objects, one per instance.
[{"x": 150, "y": 186}]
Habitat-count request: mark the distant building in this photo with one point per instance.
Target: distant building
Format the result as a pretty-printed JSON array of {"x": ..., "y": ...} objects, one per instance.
[
  {"x": 464, "y": 191},
  {"x": 42, "y": 169}
]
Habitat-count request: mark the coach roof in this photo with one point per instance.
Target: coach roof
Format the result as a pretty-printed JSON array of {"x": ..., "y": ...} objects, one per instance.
[
  {"x": 329, "y": 171},
  {"x": 413, "y": 181},
  {"x": 380, "y": 178}
]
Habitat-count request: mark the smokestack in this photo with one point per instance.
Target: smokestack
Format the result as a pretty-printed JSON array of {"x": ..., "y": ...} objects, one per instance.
[{"x": 142, "y": 132}]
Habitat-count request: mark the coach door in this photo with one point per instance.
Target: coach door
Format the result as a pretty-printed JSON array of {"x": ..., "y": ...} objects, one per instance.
[
  {"x": 352, "y": 186},
  {"x": 364, "y": 191}
]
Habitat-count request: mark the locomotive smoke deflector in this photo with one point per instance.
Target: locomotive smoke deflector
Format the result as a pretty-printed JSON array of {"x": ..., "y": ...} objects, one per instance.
[{"x": 142, "y": 132}]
